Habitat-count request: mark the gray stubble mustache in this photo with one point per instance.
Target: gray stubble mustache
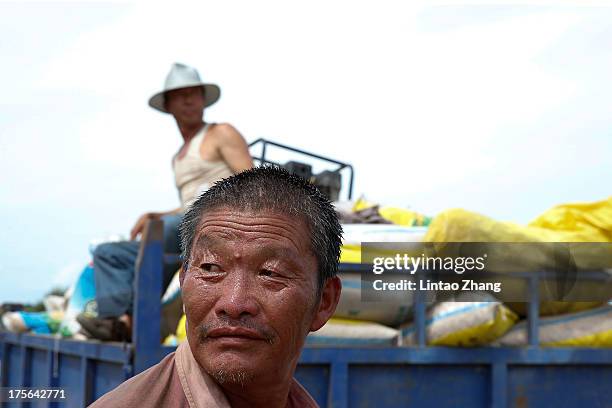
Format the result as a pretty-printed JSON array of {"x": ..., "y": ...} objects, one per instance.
[{"x": 263, "y": 331}]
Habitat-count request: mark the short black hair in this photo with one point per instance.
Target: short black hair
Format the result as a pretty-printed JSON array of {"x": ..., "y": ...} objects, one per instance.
[{"x": 273, "y": 188}]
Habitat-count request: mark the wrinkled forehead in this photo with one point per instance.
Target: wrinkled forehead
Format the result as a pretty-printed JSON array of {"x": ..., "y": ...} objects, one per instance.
[{"x": 268, "y": 230}]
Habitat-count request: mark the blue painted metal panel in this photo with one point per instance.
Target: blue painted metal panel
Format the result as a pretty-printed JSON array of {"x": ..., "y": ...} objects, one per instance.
[
  {"x": 147, "y": 296},
  {"x": 315, "y": 378},
  {"x": 335, "y": 376},
  {"x": 38, "y": 361},
  {"x": 13, "y": 362},
  {"x": 465, "y": 356},
  {"x": 24, "y": 363},
  {"x": 53, "y": 373},
  {"x": 106, "y": 376},
  {"x": 418, "y": 385},
  {"x": 3, "y": 365},
  {"x": 117, "y": 352},
  {"x": 560, "y": 386},
  {"x": 70, "y": 379},
  {"x": 498, "y": 395},
  {"x": 40, "y": 375},
  {"x": 84, "y": 395},
  {"x": 376, "y": 376},
  {"x": 338, "y": 385}
]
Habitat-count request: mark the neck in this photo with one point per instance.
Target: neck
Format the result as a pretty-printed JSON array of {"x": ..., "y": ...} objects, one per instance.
[
  {"x": 188, "y": 131},
  {"x": 272, "y": 395}
]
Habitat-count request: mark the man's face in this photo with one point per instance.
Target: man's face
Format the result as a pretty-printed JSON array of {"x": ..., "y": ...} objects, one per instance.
[
  {"x": 186, "y": 104},
  {"x": 250, "y": 294}
]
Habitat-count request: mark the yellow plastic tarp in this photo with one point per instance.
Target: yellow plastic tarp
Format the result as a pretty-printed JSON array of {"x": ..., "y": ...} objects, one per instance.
[
  {"x": 395, "y": 215},
  {"x": 579, "y": 222}
]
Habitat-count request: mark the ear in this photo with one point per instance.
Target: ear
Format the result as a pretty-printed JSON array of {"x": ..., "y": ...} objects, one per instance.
[
  {"x": 330, "y": 295},
  {"x": 182, "y": 275}
]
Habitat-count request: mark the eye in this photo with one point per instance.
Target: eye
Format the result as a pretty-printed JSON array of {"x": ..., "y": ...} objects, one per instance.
[
  {"x": 209, "y": 267},
  {"x": 268, "y": 273}
]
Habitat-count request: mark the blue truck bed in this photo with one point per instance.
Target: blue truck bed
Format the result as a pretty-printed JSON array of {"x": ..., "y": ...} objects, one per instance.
[{"x": 336, "y": 376}]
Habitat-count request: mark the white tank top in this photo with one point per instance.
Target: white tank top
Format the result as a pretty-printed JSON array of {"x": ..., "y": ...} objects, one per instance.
[{"x": 194, "y": 175}]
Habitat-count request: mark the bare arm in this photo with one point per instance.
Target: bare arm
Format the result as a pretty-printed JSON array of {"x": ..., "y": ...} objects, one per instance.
[
  {"x": 146, "y": 217},
  {"x": 233, "y": 149}
]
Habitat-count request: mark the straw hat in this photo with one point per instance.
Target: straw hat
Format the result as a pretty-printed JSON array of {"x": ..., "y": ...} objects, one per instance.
[{"x": 183, "y": 76}]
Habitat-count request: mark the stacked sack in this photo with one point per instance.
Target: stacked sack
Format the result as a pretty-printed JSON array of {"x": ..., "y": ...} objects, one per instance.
[
  {"x": 584, "y": 222},
  {"x": 449, "y": 323},
  {"x": 351, "y": 332},
  {"x": 590, "y": 328},
  {"x": 463, "y": 324},
  {"x": 357, "y": 323},
  {"x": 455, "y": 322},
  {"x": 489, "y": 321},
  {"x": 578, "y": 324}
]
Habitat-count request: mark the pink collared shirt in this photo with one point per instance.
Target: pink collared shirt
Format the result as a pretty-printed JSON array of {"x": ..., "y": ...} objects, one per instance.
[{"x": 178, "y": 381}]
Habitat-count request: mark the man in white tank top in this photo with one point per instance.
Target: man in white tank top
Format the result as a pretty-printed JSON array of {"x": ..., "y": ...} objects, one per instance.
[
  {"x": 209, "y": 153},
  {"x": 220, "y": 148}
]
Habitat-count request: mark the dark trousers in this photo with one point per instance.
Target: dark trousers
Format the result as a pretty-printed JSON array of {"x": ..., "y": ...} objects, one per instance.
[{"x": 115, "y": 265}]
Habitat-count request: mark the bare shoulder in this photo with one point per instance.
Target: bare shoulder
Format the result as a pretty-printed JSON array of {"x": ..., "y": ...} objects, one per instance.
[{"x": 225, "y": 133}]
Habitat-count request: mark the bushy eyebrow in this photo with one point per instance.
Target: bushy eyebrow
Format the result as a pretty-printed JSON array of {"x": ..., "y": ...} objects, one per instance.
[
  {"x": 216, "y": 244},
  {"x": 284, "y": 254},
  {"x": 210, "y": 243}
]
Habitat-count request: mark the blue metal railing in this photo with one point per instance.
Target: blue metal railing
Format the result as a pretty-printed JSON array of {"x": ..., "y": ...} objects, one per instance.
[{"x": 336, "y": 376}]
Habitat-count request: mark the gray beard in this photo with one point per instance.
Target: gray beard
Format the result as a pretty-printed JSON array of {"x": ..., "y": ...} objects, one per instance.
[{"x": 239, "y": 377}]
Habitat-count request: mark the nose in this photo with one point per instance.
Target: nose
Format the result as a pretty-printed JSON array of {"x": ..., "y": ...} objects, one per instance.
[
  {"x": 238, "y": 297},
  {"x": 188, "y": 99}
]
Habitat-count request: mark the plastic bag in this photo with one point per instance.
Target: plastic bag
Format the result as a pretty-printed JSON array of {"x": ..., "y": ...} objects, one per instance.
[
  {"x": 396, "y": 309},
  {"x": 582, "y": 222},
  {"x": 82, "y": 300},
  {"x": 463, "y": 323},
  {"x": 346, "y": 332},
  {"x": 592, "y": 328}
]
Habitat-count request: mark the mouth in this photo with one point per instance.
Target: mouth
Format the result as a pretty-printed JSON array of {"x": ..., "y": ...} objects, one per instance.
[
  {"x": 190, "y": 111},
  {"x": 234, "y": 333}
]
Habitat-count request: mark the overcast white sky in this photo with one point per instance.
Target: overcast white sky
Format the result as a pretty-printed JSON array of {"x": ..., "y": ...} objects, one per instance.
[{"x": 503, "y": 109}]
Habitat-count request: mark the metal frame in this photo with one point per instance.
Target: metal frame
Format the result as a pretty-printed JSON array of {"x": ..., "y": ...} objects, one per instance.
[
  {"x": 492, "y": 376},
  {"x": 56, "y": 368},
  {"x": 499, "y": 362},
  {"x": 341, "y": 165}
]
